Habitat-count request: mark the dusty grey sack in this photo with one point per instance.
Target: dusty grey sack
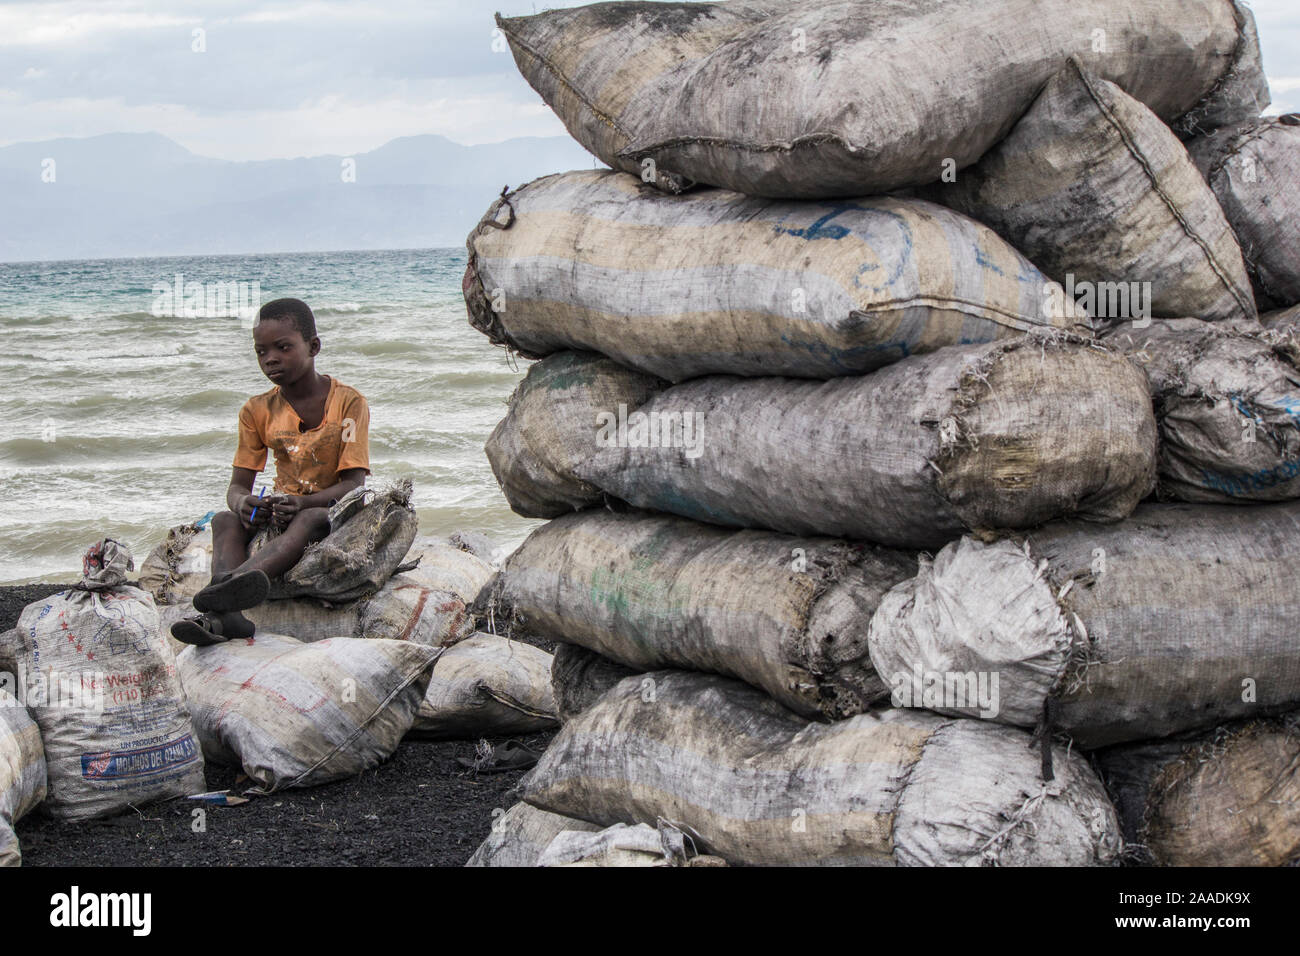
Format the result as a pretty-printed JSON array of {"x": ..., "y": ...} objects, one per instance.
[
  {"x": 22, "y": 773},
  {"x": 538, "y": 449},
  {"x": 1227, "y": 798},
  {"x": 1227, "y": 401},
  {"x": 1006, "y": 435},
  {"x": 1102, "y": 196},
  {"x": 752, "y": 783},
  {"x": 488, "y": 686},
  {"x": 299, "y": 715},
  {"x": 787, "y": 614},
  {"x": 1282, "y": 320},
  {"x": 580, "y": 676},
  {"x": 1255, "y": 172},
  {"x": 99, "y": 678},
  {"x": 371, "y": 532},
  {"x": 839, "y": 97},
  {"x": 521, "y": 834},
  {"x": 1181, "y": 617},
  {"x": 180, "y": 565},
  {"x": 717, "y": 282}
]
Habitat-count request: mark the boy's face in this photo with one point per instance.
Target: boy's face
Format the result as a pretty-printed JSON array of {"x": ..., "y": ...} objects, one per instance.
[{"x": 284, "y": 355}]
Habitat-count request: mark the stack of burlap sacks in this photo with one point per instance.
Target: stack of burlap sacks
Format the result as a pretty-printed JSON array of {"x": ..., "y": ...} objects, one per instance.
[{"x": 916, "y": 440}]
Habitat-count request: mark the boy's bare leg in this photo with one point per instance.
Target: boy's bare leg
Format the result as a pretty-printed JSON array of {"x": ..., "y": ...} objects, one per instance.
[
  {"x": 283, "y": 551},
  {"x": 229, "y": 550},
  {"x": 229, "y": 543}
]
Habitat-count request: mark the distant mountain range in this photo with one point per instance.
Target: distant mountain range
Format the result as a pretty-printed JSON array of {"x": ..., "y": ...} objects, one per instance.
[{"x": 142, "y": 194}]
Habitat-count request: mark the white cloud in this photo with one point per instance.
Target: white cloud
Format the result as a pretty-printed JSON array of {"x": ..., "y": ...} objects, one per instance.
[{"x": 284, "y": 78}]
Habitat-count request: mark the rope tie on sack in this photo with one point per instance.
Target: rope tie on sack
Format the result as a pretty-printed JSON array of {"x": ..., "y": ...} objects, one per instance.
[{"x": 505, "y": 198}]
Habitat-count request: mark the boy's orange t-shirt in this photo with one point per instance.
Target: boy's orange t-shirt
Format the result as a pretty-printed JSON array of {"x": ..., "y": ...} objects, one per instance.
[{"x": 305, "y": 461}]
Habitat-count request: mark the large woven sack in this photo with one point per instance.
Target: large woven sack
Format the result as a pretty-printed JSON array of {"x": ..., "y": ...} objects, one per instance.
[
  {"x": 718, "y": 282},
  {"x": 100, "y": 680},
  {"x": 538, "y": 449},
  {"x": 622, "y": 845},
  {"x": 488, "y": 686},
  {"x": 786, "y": 614},
  {"x": 1005, "y": 435},
  {"x": 370, "y": 534},
  {"x": 1102, "y": 196},
  {"x": 754, "y": 784},
  {"x": 1227, "y": 798},
  {"x": 1227, "y": 401},
  {"x": 22, "y": 773},
  {"x": 299, "y": 715},
  {"x": 521, "y": 834},
  {"x": 839, "y": 97},
  {"x": 1282, "y": 320},
  {"x": 1255, "y": 172},
  {"x": 1181, "y": 617},
  {"x": 442, "y": 566},
  {"x": 579, "y": 676},
  {"x": 180, "y": 566},
  {"x": 401, "y": 610}
]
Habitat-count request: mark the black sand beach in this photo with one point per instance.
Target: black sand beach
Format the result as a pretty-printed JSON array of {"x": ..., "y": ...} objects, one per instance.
[{"x": 420, "y": 808}]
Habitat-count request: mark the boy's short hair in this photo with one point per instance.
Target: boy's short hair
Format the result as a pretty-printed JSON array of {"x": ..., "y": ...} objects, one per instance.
[{"x": 295, "y": 310}]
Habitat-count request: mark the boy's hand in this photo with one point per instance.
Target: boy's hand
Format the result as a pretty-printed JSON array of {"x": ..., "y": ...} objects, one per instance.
[
  {"x": 284, "y": 508},
  {"x": 247, "y": 505}
]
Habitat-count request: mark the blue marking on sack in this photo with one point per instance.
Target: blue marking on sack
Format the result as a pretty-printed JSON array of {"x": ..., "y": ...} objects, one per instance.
[
  {"x": 820, "y": 229},
  {"x": 1240, "y": 485},
  {"x": 139, "y": 763}
]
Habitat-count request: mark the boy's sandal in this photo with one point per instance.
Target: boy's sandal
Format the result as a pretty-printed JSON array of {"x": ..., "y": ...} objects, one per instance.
[
  {"x": 201, "y": 631},
  {"x": 236, "y": 593},
  {"x": 511, "y": 755}
]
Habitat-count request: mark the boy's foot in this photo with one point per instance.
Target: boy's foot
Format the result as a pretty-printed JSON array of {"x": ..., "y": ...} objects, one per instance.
[
  {"x": 236, "y": 593},
  {"x": 201, "y": 631},
  {"x": 208, "y": 629},
  {"x": 235, "y": 626}
]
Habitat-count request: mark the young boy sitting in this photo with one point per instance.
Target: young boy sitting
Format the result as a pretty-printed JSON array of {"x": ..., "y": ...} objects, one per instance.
[{"x": 318, "y": 429}]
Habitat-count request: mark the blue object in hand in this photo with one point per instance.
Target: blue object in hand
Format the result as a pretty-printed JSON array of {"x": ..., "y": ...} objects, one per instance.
[{"x": 253, "y": 516}]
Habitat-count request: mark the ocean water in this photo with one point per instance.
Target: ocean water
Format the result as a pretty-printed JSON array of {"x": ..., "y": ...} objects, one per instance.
[{"x": 121, "y": 422}]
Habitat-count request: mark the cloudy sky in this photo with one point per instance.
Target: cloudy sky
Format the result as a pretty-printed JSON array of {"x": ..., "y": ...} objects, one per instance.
[{"x": 286, "y": 78}]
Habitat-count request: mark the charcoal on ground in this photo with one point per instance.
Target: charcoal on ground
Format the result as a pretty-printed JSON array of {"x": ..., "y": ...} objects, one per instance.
[{"x": 1181, "y": 617}]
